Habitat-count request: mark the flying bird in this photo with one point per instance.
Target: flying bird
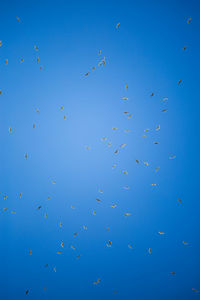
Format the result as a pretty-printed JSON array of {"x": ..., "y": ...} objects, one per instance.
[
  {"x": 117, "y": 26},
  {"x": 97, "y": 282},
  {"x": 127, "y": 214},
  {"x": 179, "y": 200},
  {"x": 109, "y": 244},
  {"x": 172, "y": 157},
  {"x": 179, "y": 82},
  {"x": 158, "y": 127}
]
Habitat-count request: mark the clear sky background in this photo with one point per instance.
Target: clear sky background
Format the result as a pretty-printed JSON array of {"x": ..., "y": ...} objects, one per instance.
[{"x": 146, "y": 53}]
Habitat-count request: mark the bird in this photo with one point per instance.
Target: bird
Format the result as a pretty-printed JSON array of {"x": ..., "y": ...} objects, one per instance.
[{"x": 117, "y": 26}]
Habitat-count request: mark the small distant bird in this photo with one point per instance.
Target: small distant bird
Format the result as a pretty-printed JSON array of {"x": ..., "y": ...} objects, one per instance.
[
  {"x": 179, "y": 82},
  {"x": 172, "y": 273},
  {"x": 117, "y": 26}
]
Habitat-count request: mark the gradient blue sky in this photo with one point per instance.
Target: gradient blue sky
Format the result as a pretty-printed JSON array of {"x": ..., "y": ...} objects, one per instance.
[{"x": 146, "y": 53}]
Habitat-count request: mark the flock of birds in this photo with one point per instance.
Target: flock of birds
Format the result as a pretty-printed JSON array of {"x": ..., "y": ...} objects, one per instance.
[{"x": 102, "y": 62}]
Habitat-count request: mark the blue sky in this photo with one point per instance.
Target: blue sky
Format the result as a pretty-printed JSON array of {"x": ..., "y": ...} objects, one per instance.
[{"x": 146, "y": 53}]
